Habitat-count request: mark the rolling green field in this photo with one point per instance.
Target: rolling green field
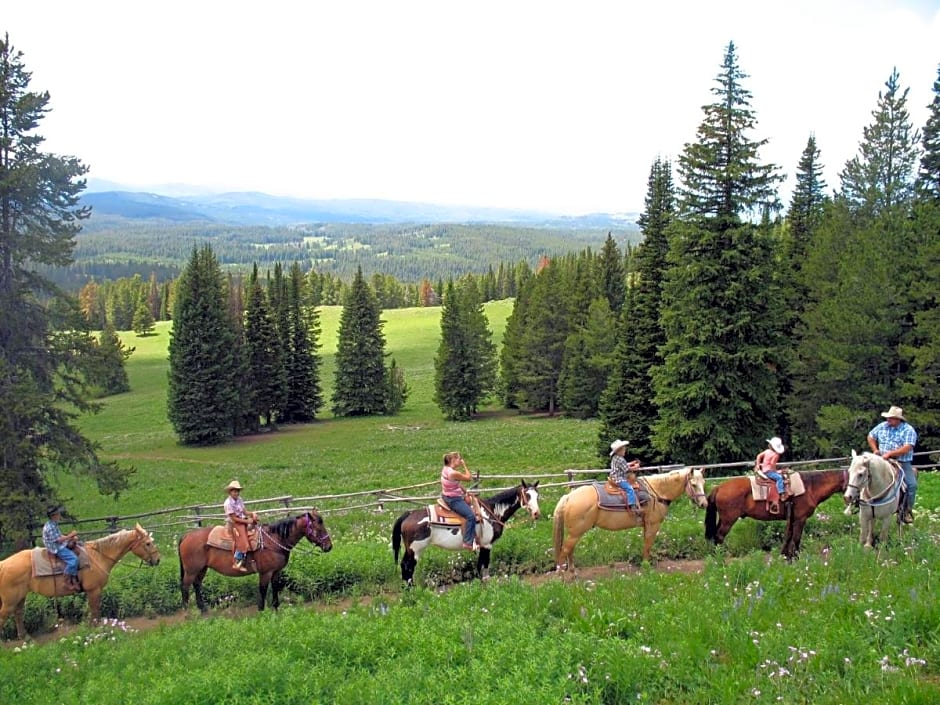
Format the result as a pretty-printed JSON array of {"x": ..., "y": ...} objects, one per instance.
[{"x": 736, "y": 625}]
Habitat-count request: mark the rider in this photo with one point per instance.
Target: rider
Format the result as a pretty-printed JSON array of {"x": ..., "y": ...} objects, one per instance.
[
  {"x": 766, "y": 463},
  {"x": 623, "y": 473},
  {"x": 59, "y": 544},
  {"x": 238, "y": 520},
  {"x": 453, "y": 495},
  {"x": 895, "y": 438}
]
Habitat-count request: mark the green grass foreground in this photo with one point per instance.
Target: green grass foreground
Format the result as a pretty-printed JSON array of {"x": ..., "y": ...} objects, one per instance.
[{"x": 839, "y": 625}]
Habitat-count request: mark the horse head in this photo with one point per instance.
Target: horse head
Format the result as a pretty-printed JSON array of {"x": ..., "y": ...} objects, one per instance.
[
  {"x": 529, "y": 499},
  {"x": 695, "y": 487},
  {"x": 859, "y": 477},
  {"x": 144, "y": 547},
  {"x": 315, "y": 530}
]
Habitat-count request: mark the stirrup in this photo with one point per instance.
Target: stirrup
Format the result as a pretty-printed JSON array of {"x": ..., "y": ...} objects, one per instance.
[{"x": 773, "y": 507}]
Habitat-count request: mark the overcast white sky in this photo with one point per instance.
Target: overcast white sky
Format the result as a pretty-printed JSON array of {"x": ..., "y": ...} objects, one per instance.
[{"x": 558, "y": 106}]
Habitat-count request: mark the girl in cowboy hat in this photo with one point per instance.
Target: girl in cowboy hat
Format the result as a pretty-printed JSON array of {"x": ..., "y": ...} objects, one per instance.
[
  {"x": 766, "y": 463},
  {"x": 238, "y": 520}
]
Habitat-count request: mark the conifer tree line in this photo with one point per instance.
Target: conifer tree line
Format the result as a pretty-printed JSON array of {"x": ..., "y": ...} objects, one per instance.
[{"x": 739, "y": 317}]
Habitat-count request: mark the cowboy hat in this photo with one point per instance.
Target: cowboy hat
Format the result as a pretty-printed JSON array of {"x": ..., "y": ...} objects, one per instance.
[
  {"x": 234, "y": 485},
  {"x": 617, "y": 445},
  {"x": 895, "y": 412},
  {"x": 776, "y": 444},
  {"x": 54, "y": 509}
]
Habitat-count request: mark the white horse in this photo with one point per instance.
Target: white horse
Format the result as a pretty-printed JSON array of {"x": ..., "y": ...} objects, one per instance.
[{"x": 874, "y": 486}]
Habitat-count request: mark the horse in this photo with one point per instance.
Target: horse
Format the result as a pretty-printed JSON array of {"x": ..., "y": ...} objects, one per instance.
[
  {"x": 733, "y": 499},
  {"x": 874, "y": 486},
  {"x": 277, "y": 540},
  {"x": 414, "y": 529},
  {"x": 578, "y": 511},
  {"x": 16, "y": 573}
]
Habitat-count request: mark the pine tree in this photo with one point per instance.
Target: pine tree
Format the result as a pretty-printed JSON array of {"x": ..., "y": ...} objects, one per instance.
[
  {"x": 587, "y": 362},
  {"x": 108, "y": 373},
  {"x": 465, "y": 364},
  {"x": 716, "y": 388},
  {"x": 612, "y": 276},
  {"x": 627, "y": 408},
  {"x": 44, "y": 350},
  {"x": 304, "y": 394},
  {"x": 267, "y": 375},
  {"x": 360, "y": 383},
  {"x": 928, "y": 178},
  {"x": 143, "y": 322},
  {"x": 202, "y": 394}
]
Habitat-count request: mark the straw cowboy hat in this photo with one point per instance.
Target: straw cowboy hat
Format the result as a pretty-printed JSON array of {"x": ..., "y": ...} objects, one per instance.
[
  {"x": 895, "y": 412},
  {"x": 617, "y": 445},
  {"x": 234, "y": 485},
  {"x": 776, "y": 444}
]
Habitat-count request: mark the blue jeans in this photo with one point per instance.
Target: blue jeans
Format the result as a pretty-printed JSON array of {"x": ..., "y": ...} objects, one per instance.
[
  {"x": 71, "y": 560},
  {"x": 459, "y": 505},
  {"x": 910, "y": 479},
  {"x": 774, "y": 475},
  {"x": 631, "y": 494}
]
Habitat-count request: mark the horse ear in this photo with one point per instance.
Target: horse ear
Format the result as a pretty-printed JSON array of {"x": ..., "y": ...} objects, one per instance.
[
  {"x": 854, "y": 454},
  {"x": 536, "y": 483}
]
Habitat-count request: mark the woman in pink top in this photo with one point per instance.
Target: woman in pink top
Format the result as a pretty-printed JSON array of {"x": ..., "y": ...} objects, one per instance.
[
  {"x": 452, "y": 494},
  {"x": 767, "y": 463}
]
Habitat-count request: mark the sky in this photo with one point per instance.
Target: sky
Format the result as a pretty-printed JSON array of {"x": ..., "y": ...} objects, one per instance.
[{"x": 555, "y": 106}]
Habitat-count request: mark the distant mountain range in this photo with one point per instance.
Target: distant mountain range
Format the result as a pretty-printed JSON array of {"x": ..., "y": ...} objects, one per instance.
[{"x": 252, "y": 208}]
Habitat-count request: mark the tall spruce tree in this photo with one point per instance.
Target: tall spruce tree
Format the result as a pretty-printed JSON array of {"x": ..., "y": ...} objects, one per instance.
[
  {"x": 304, "y": 394},
  {"x": 716, "y": 388},
  {"x": 465, "y": 364},
  {"x": 587, "y": 362},
  {"x": 360, "y": 387},
  {"x": 202, "y": 391},
  {"x": 44, "y": 349},
  {"x": 267, "y": 375},
  {"x": 627, "y": 406},
  {"x": 612, "y": 275}
]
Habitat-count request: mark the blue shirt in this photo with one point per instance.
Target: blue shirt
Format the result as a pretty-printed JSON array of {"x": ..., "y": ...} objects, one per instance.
[
  {"x": 893, "y": 438},
  {"x": 50, "y": 537}
]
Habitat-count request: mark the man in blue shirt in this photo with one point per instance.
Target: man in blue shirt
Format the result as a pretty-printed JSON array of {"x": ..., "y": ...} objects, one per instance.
[
  {"x": 895, "y": 438},
  {"x": 57, "y": 544}
]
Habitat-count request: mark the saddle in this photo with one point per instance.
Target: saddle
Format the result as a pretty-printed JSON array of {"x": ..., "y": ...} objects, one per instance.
[
  {"x": 763, "y": 489},
  {"x": 46, "y": 564},
  {"x": 221, "y": 537},
  {"x": 610, "y": 496},
  {"x": 442, "y": 515}
]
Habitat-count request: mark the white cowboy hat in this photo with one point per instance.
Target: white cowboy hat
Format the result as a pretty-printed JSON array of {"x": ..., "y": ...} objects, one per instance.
[
  {"x": 234, "y": 485},
  {"x": 895, "y": 412},
  {"x": 776, "y": 444},
  {"x": 617, "y": 445}
]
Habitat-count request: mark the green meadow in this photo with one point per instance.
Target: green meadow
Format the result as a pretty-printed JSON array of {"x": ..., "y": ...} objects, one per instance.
[{"x": 733, "y": 625}]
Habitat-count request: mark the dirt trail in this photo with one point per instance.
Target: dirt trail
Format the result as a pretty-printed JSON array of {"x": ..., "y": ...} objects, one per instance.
[{"x": 147, "y": 623}]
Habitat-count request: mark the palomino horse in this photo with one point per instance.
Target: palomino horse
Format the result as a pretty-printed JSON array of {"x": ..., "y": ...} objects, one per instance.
[
  {"x": 277, "y": 541},
  {"x": 733, "y": 499},
  {"x": 874, "y": 486},
  {"x": 16, "y": 573},
  {"x": 416, "y": 531},
  {"x": 578, "y": 511}
]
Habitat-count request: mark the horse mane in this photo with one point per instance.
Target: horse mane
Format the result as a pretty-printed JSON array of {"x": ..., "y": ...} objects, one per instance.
[
  {"x": 283, "y": 527},
  {"x": 105, "y": 542},
  {"x": 507, "y": 496}
]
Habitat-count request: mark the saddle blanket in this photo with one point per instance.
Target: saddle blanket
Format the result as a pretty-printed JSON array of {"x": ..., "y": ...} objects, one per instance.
[
  {"x": 221, "y": 537},
  {"x": 610, "y": 496},
  {"x": 760, "y": 488},
  {"x": 45, "y": 564}
]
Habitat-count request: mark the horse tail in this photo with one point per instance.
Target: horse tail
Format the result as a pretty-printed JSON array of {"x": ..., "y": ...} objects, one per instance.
[
  {"x": 558, "y": 526},
  {"x": 179, "y": 554},
  {"x": 711, "y": 516},
  {"x": 396, "y": 535}
]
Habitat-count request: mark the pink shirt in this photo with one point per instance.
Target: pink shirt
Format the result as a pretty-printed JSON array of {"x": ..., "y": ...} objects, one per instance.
[
  {"x": 768, "y": 459},
  {"x": 236, "y": 506},
  {"x": 449, "y": 486}
]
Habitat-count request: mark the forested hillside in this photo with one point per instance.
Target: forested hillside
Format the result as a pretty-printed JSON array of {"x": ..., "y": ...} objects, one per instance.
[{"x": 110, "y": 248}]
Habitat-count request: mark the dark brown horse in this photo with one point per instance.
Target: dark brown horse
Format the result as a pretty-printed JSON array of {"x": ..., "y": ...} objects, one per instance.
[
  {"x": 732, "y": 500},
  {"x": 277, "y": 540}
]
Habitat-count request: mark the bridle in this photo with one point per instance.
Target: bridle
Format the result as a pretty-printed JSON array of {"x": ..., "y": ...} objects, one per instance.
[
  {"x": 141, "y": 538},
  {"x": 690, "y": 490},
  {"x": 309, "y": 531}
]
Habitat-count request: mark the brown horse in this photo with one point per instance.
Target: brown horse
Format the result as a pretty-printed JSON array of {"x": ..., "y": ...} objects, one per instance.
[
  {"x": 578, "y": 511},
  {"x": 16, "y": 573},
  {"x": 277, "y": 541},
  {"x": 732, "y": 500}
]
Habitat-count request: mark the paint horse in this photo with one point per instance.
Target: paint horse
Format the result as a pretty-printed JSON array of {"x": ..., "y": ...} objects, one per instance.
[
  {"x": 734, "y": 499},
  {"x": 580, "y": 510},
  {"x": 197, "y": 555},
  {"x": 875, "y": 488},
  {"x": 17, "y": 575},
  {"x": 418, "y": 529}
]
